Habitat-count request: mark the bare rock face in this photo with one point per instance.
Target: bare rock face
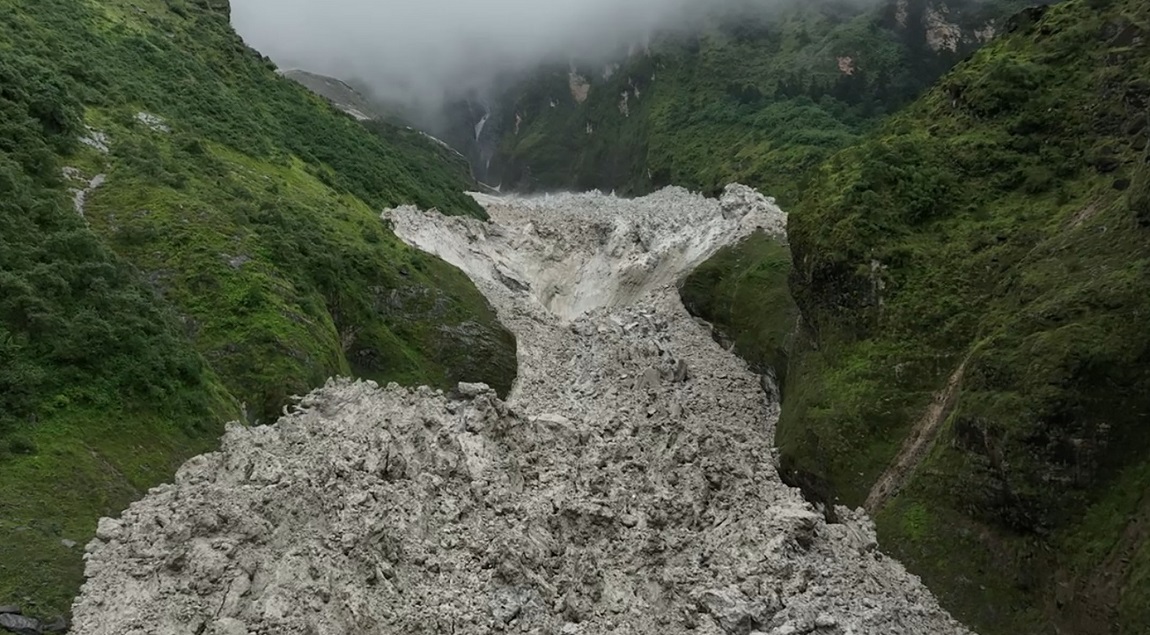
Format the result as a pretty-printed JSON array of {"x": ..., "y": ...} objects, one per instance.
[{"x": 627, "y": 485}]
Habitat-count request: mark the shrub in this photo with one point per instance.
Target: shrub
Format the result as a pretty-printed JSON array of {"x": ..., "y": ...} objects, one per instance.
[{"x": 21, "y": 445}]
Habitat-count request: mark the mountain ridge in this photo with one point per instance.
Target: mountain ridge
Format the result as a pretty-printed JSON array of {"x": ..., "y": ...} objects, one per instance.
[{"x": 190, "y": 239}]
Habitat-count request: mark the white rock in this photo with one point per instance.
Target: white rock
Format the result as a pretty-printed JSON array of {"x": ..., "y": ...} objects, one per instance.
[
  {"x": 108, "y": 529},
  {"x": 473, "y": 390},
  {"x": 153, "y": 122},
  {"x": 228, "y": 626},
  {"x": 96, "y": 139}
]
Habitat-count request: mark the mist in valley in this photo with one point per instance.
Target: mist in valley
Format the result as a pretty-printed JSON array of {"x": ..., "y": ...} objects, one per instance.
[{"x": 416, "y": 52}]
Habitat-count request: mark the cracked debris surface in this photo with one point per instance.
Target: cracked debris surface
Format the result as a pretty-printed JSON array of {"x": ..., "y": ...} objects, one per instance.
[{"x": 627, "y": 485}]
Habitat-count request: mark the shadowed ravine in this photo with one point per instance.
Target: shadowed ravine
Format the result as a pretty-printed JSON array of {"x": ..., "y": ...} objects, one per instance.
[{"x": 627, "y": 485}]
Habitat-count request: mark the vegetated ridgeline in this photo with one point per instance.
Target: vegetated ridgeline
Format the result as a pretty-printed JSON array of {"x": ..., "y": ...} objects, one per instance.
[
  {"x": 627, "y": 485},
  {"x": 998, "y": 226},
  {"x": 182, "y": 232}
]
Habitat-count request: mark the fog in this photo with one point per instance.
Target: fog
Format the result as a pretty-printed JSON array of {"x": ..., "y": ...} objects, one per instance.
[{"x": 413, "y": 51}]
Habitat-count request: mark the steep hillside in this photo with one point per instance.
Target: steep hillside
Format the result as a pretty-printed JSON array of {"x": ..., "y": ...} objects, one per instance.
[
  {"x": 760, "y": 95},
  {"x": 186, "y": 237},
  {"x": 976, "y": 274},
  {"x": 742, "y": 291},
  {"x": 973, "y": 364}
]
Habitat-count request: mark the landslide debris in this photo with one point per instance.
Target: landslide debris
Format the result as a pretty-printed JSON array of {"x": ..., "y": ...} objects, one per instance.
[{"x": 627, "y": 484}]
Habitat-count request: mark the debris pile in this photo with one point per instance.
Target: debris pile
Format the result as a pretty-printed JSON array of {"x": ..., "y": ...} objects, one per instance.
[{"x": 627, "y": 485}]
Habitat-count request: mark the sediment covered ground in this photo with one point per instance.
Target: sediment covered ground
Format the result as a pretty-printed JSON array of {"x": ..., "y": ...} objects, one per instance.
[{"x": 627, "y": 485}]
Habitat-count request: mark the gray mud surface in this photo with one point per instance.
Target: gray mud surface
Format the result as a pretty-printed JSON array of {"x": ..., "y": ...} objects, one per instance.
[{"x": 627, "y": 485}]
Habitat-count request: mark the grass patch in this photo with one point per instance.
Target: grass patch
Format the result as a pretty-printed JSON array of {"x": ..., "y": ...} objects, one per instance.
[
  {"x": 232, "y": 257},
  {"x": 990, "y": 213}
]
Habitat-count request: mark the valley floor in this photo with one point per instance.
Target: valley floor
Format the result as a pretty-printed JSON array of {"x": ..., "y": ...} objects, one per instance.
[{"x": 627, "y": 485}]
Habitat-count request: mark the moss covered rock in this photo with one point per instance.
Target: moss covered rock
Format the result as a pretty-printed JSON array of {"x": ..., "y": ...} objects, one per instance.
[{"x": 742, "y": 291}]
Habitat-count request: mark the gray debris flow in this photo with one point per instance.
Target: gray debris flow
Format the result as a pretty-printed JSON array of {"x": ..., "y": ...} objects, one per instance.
[
  {"x": 627, "y": 485},
  {"x": 80, "y": 195}
]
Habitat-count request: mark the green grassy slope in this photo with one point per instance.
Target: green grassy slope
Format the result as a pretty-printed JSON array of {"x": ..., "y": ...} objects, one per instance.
[
  {"x": 1001, "y": 221},
  {"x": 232, "y": 257},
  {"x": 100, "y": 392}
]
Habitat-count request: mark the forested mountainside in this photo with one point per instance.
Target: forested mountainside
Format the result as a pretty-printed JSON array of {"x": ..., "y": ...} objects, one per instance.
[
  {"x": 968, "y": 355},
  {"x": 972, "y": 360},
  {"x": 977, "y": 271},
  {"x": 758, "y": 95},
  {"x": 188, "y": 238}
]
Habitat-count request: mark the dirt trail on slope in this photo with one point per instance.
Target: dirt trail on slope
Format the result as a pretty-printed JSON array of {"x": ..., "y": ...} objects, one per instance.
[
  {"x": 628, "y": 485},
  {"x": 917, "y": 444}
]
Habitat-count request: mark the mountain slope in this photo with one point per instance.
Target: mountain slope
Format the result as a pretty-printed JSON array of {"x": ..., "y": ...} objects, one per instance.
[
  {"x": 338, "y": 92},
  {"x": 973, "y": 280},
  {"x": 760, "y": 94},
  {"x": 212, "y": 248},
  {"x": 625, "y": 486},
  {"x": 998, "y": 226}
]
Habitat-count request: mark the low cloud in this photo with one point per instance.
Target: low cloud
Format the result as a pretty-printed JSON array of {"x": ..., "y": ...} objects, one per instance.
[{"x": 416, "y": 51}]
